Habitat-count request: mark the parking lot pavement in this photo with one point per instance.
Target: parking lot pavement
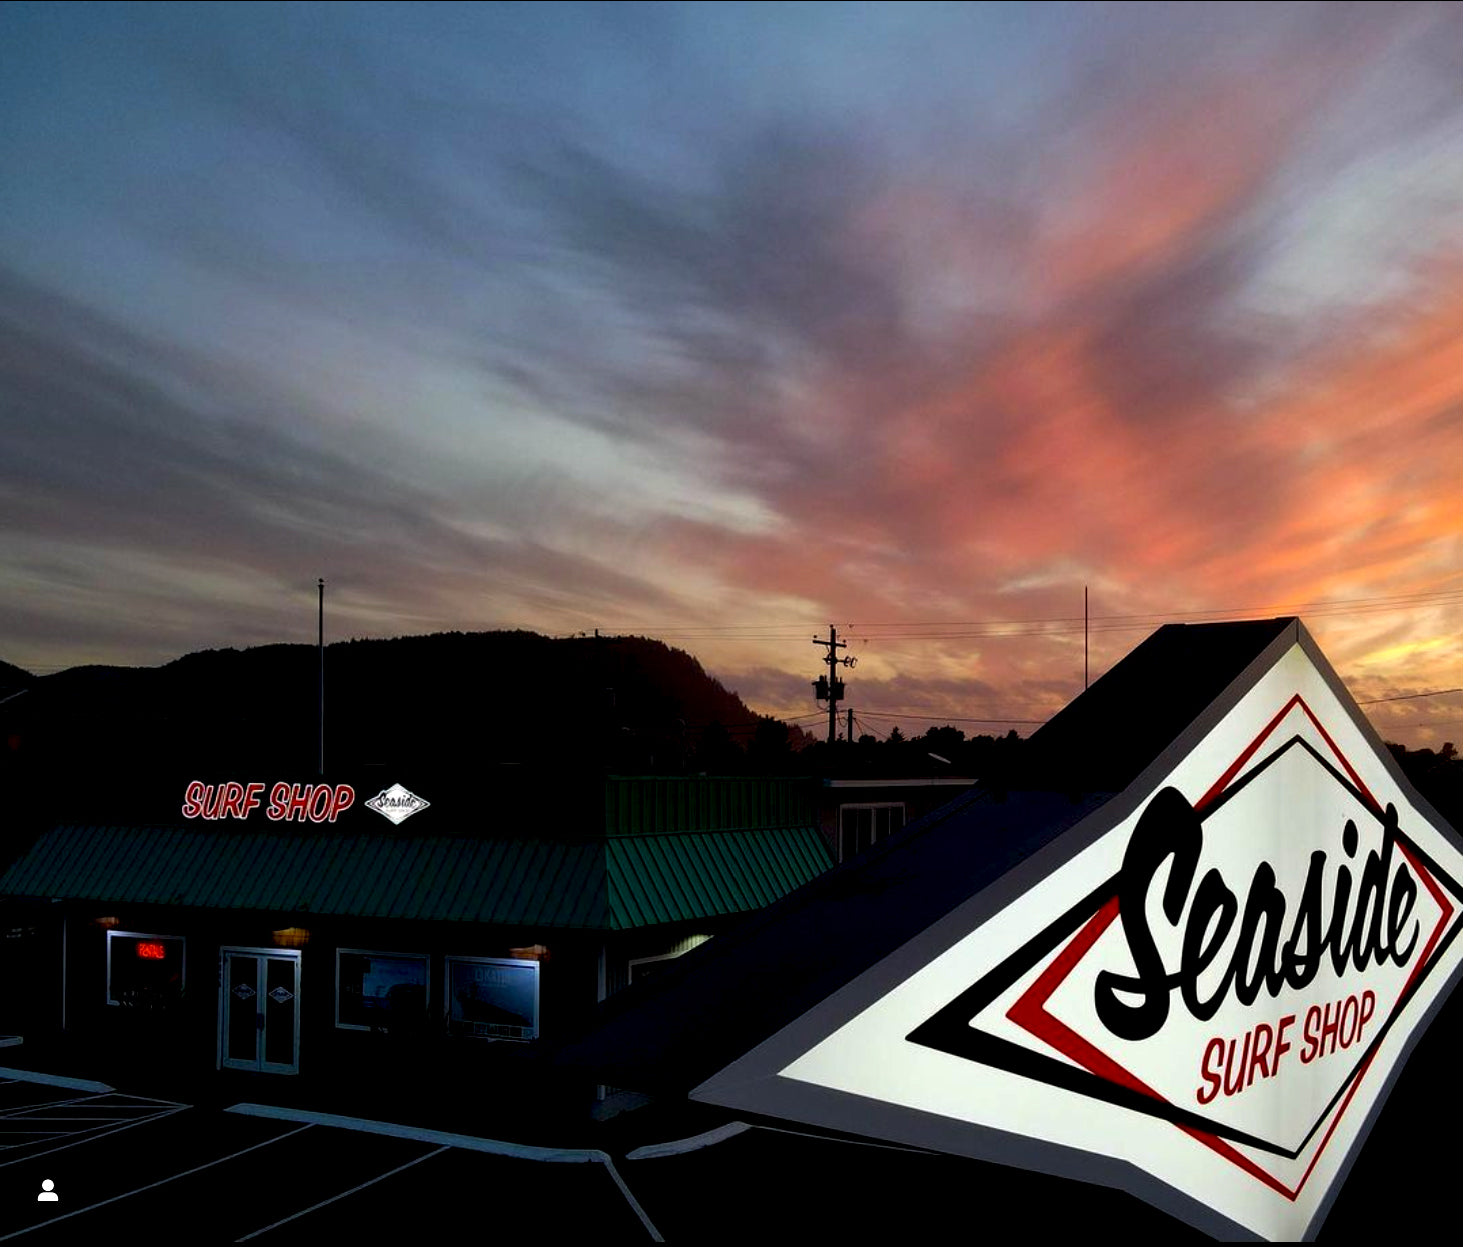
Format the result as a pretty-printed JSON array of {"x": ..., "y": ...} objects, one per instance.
[
  {"x": 173, "y": 1173},
  {"x": 39, "y": 1118}
]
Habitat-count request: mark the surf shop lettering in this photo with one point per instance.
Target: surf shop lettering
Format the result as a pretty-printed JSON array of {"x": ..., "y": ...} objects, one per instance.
[
  {"x": 1280, "y": 942},
  {"x": 315, "y": 803}
]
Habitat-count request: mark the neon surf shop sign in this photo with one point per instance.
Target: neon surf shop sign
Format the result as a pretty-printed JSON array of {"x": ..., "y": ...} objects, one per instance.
[{"x": 287, "y": 802}]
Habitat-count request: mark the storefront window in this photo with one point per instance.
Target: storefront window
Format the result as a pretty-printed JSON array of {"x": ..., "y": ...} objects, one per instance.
[
  {"x": 144, "y": 971},
  {"x": 489, "y": 998},
  {"x": 861, "y": 826},
  {"x": 380, "y": 991}
]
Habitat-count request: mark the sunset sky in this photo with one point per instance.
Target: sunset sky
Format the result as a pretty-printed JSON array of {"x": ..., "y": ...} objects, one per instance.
[{"x": 724, "y": 323}]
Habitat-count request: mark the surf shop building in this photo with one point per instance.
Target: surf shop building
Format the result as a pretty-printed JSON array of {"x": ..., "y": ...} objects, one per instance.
[{"x": 285, "y": 927}]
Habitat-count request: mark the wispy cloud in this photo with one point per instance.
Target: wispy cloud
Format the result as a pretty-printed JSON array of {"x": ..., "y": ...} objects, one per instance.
[{"x": 687, "y": 316}]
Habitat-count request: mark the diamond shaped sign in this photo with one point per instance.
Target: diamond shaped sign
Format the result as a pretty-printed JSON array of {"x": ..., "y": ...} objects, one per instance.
[
  {"x": 243, "y": 991},
  {"x": 281, "y": 994},
  {"x": 1208, "y": 980},
  {"x": 397, "y": 804}
]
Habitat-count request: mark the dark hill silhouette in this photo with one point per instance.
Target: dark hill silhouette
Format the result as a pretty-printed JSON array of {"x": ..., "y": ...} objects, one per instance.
[
  {"x": 454, "y": 704},
  {"x": 13, "y": 677},
  {"x": 451, "y": 708}
]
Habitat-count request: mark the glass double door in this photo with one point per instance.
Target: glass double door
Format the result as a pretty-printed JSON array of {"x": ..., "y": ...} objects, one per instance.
[{"x": 259, "y": 1010}]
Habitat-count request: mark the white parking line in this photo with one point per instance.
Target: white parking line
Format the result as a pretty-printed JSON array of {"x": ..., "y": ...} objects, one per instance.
[
  {"x": 88, "y": 1136},
  {"x": 469, "y": 1143},
  {"x": 5, "y": 1147},
  {"x": 29, "y": 1108},
  {"x": 823, "y": 1138},
  {"x": 96, "y": 1121},
  {"x": 632, "y": 1201},
  {"x": 142, "y": 1104},
  {"x": 295, "y": 1216},
  {"x": 102, "y": 1203},
  {"x": 143, "y": 1099}
]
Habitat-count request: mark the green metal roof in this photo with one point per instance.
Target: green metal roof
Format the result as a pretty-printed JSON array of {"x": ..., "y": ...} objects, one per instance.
[
  {"x": 673, "y": 878},
  {"x": 615, "y": 884}
]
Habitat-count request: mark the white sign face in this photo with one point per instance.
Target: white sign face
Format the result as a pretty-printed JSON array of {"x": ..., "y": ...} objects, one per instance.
[
  {"x": 1214, "y": 990},
  {"x": 396, "y": 803}
]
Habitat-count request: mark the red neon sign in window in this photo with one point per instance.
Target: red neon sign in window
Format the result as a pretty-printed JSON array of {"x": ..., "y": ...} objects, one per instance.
[{"x": 150, "y": 950}]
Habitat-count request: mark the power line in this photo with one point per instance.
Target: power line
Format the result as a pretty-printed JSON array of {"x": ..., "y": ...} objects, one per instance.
[
  {"x": 906, "y": 714},
  {"x": 1058, "y": 625},
  {"x": 873, "y": 730},
  {"x": 943, "y": 718},
  {"x": 1437, "y": 692},
  {"x": 988, "y": 629}
]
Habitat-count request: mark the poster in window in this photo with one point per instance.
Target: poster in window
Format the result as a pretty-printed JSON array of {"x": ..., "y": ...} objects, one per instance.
[
  {"x": 493, "y": 999},
  {"x": 380, "y": 990}
]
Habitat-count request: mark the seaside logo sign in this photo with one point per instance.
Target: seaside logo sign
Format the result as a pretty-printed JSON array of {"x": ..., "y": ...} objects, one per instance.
[
  {"x": 1212, "y": 991},
  {"x": 397, "y": 804}
]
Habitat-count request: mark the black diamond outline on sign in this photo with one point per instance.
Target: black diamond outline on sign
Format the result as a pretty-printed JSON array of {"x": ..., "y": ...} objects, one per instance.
[
  {"x": 243, "y": 991},
  {"x": 949, "y": 1030}
]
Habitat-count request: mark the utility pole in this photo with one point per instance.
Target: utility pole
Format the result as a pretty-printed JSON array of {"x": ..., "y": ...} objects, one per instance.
[
  {"x": 849, "y": 726},
  {"x": 1085, "y": 637},
  {"x": 320, "y": 642},
  {"x": 830, "y": 687}
]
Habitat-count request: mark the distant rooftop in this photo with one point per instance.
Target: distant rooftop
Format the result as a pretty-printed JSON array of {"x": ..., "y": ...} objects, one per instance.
[{"x": 721, "y": 1000}]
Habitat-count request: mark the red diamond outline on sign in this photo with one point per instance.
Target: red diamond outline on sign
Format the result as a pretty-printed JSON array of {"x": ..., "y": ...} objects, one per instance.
[{"x": 1030, "y": 1012}]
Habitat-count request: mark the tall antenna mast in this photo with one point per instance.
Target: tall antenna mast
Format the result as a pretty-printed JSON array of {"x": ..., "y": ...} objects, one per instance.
[{"x": 320, "y": 643}]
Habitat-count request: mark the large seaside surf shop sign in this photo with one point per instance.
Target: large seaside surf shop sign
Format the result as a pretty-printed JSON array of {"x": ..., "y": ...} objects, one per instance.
[{"x": 1199, "y": 994}]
